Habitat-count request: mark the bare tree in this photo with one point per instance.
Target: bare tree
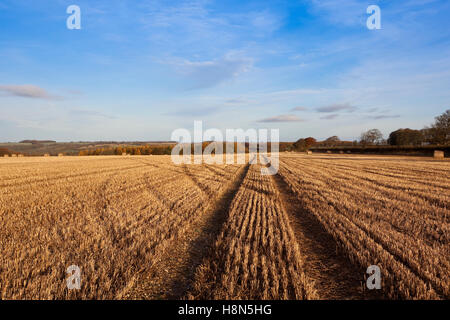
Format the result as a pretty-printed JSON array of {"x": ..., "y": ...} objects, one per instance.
[
  {"x": 439, "y": 132},
  {"x": 332, "y": 141},
  {"x": 372, "y": 136}
]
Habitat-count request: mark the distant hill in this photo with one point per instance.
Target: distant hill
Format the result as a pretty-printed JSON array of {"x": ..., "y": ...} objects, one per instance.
[
  {"x": 41, "y": 147},
  {"x": 37, "y": 141}
]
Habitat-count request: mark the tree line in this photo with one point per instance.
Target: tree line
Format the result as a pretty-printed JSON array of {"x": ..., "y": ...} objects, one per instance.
[
  {"x": 437, "y": 133},
  {"x": 131, "y": 150}
]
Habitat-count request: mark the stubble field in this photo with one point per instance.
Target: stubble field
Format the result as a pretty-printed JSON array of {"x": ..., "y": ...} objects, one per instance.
[{"x": 142, "y": 227}]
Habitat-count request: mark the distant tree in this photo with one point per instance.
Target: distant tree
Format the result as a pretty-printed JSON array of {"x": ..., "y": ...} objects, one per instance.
[
  {"x": 118, "y": 151},
  {"x": 332, "y": 141},
  {"x": 168, "y": 150},
  {"x": 158, "y": 151},
  {"x": 286, "y": 146},
  {"x": 83, "y": 153},
  {"x": 300, "y": 145},
  {"x": 404, "y": 137},
  {"x": 428, "y": 136},
  {"x": 372, "y": 136},
  {"x": 439, "y": 132},
  {"x": 310, "y": 141},
  {"x": 304, "y": 144},
  {"x": 4, "y": 151},
  {"x": 146, "y": 150}
]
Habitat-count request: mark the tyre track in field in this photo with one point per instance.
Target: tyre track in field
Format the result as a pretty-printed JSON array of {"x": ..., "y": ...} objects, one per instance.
[
  {"x": 370, "y": 234},
  {"x": 173, "y": 276},
  {"x": 335, "y": 276}
]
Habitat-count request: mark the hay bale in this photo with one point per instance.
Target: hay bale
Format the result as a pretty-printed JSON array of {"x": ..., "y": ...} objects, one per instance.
[
  {"x": 46, "y": 155},
  {"x": 6, "y": 155},
  {"x": 20, "y": 155},
  {"x": 438, "y": 154},
  {"x": 14, "y": 155},
  {"x": 60, "y": 155}
]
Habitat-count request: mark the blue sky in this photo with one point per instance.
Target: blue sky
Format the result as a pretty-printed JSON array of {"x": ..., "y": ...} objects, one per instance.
[{"x": 137, "y": 70}]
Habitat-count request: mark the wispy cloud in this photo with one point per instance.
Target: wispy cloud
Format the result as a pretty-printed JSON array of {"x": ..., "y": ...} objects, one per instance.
[
  {"x": 299, "y": 109},
  {"x": 244, "y": 63},
  {"x": 89, "y": 113},
  {"x": 194, "y": 112},
  {"x": 347, "y": 13},
  {"x": 206, "y": 74},
  {"x": 379, "y": 117},
  {"x": 236, "y": 101},
  {"x": 296, "y": 92},
  {"x": 190, "y": 21},
  {"x": 371, "y": 110},
  {"x": 336, "y": 107},
  {"x": 26, "y": 91},
  {"x": 282, "y": 118},
  {"x": 264, "y": 21},
  {"x": 329, "y": 117}
]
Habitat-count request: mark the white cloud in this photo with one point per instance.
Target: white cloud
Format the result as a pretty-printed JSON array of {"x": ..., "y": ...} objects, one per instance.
[
  {"x": 26, "y": 91},
  {"x": 282, "y": 118}
]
